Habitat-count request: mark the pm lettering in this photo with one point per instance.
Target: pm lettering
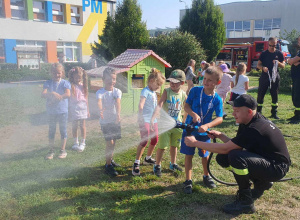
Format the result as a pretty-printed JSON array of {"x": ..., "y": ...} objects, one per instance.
[{"x": 96, "y": 6}]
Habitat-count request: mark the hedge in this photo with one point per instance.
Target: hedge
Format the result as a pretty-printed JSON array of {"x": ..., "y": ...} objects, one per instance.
[{"x": 10, "y": 72}]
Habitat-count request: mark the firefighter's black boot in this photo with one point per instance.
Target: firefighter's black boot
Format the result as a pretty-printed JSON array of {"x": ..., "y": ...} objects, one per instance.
[
  {"x": 243, "y": 204},
  {"x": 259, "y": 188},
  {"x": 296, "y": 118},
  {"x": 274, "y": 112}
]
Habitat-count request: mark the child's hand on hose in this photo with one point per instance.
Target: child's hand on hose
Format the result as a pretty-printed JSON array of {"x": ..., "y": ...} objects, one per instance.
[{"x": 203, "y": 128}]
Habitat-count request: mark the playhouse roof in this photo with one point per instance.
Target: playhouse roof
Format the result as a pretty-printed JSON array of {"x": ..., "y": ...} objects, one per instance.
[{"x": 126, "y": 60}]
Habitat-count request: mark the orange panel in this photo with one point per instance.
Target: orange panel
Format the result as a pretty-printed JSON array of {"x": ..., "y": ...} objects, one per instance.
[
  {"x": 6, "y": 6},
  {"x": 51, "y": 51}
]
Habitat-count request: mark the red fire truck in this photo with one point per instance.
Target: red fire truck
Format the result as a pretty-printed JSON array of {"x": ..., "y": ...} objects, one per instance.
[{"x": 233, "y": 54}]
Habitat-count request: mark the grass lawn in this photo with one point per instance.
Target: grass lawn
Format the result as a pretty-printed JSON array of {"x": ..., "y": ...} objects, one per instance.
[{"x": 78, "y": 188}]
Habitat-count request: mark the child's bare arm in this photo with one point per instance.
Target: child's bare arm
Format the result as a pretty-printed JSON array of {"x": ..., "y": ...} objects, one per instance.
[
  {"x": 141, "y": 107},
  {"x": 231, "y": 84},
  {"x": 246, "y": 85},
  {"x": 118, "y": 109},
  {"x": 162, "y": 100},
  {"x": 188, "y": 110},
  {"x": 45, "y": 94},
  {"x": 213, "y": 123},
  {"x": 100, "y": 107},
  {"x": 67, "y": 94}
]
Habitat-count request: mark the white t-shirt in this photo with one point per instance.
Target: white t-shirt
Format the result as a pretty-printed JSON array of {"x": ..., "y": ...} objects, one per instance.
[
  {"x": 109, "y": 104},
  {"x": 150, "y": 104},
  {"x": 240, "y": 87}
]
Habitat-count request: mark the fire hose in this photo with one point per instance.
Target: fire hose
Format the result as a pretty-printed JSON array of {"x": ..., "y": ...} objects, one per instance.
[{"x": 191, "y": 128}]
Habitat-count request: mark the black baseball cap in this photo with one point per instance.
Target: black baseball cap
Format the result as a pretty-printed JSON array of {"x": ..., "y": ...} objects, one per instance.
[{"x": 244, "y": 100}]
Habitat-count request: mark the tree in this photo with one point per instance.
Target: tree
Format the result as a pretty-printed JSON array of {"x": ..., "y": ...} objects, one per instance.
[
  {"x": 205, "y": 21},
  {"x": 177, "y": 48},
  {"x": 102, "y": 48},
  {"x": 128, "y": 30},
  {"x": 292, "y": 38}
]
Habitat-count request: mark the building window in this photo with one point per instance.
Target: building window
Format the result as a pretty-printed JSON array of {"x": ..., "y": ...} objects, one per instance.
[
  {"x": 2, "y": 58},
  {"x": 110, "y": 8},
  {"x": 267, "y": 24},
  {"x": 34, "y": 44},
  {"x": 1, "y": 8},
  {"x": 18, "y": 9},
  {"x": 58, "y": 13},
  {"x": 69, "y": 51},
  {"x": 39, "y": 11},
  {"x": 276, "y": 23},
  {"x": 75, "y": 15},
  {"x": 259, "y": 24}
]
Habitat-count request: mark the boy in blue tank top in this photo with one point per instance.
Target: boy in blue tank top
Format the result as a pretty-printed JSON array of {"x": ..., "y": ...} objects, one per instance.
[{"x": 200, "y": 105}]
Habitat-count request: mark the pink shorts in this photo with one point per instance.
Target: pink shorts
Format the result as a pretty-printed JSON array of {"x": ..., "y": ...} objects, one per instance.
[{"x": 146, "y": 133}]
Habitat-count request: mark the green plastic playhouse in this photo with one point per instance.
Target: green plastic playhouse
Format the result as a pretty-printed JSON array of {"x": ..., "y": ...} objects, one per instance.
[{"x": 132, "y": 68}]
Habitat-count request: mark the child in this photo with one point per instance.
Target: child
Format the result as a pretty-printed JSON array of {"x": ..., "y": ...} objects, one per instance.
[
  {"x": 148, "y": 102},
  {"x": 109, "y": 103},
  {"x": 224, "y": 87},
  {"x": 79, "y": 108},
  {"x": 200, "y": 105},
  {"x": 239, "y": 82},
  {"x": 189, "y": 74},
  {"x": 57, "y": 91},
  {"x": 172, "y": 101},
  {"x": 201, "y": 76}
]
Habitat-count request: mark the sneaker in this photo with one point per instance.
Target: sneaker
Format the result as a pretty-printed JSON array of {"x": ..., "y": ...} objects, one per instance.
[
  {"x": 81, "y": 147},
  {"x": 75, "y": 147},
  {"x": 110, "y": 170},
  {"x": 208, "y": 181},
  {"x": 49, "y": 155},
  {"x": 188, "y": 187},
  {"x": 115, "y": 164},
  {"x": 62, "y": 154},
  {"x": 157, "y": 170},
  {"x": 259, "y": 189},
  {"x": 150, "y": 161},
  {"x": 136, "y": 169},
  {"x": 175, "y": 167}
]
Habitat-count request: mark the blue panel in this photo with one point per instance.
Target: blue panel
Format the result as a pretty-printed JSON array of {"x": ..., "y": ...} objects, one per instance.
[
  {"x": 10, "y": 54},
  {"x": 49, "y": 16}
]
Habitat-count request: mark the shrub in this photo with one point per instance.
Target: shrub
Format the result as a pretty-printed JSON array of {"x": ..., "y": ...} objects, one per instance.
[
  {"x": 285, "y": 78},
  {"x": 25, "y": 74},
  {"x": 254, "y": 72},
  {"x": 178, "y": 48}
]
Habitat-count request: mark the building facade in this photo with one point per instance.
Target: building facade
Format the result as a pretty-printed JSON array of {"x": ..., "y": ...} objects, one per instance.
[
  {"x": 53, "y": 31},
  {"x": 259, "y": 19}
]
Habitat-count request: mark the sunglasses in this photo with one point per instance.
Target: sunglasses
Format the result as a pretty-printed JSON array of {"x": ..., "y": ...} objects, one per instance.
[{"x": 272, "y": 45}]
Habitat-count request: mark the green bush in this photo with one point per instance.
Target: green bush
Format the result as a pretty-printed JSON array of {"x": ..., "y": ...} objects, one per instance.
[
  {"x": 254, "y": 72},
  {"x": 24, "y": 74},
  {"x": 8, "y": 66},
  {"x": 285, "y": 78}
]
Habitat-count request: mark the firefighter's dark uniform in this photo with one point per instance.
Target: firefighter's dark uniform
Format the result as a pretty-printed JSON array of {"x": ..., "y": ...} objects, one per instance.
[
  {"x": 267, "y": 58},
  {"x": 264, "y": 157},
  {"x": 295, "y": 73}
]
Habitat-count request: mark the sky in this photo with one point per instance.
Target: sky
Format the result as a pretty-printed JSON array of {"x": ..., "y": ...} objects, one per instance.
[{"x": 165, "y": 13}]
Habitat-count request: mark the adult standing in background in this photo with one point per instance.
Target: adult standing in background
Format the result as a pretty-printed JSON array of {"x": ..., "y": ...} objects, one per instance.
[
  {"x": 268, "y": 62},
  {"x": 295, "y": 73},
  {"x": 189, "y": 74}
]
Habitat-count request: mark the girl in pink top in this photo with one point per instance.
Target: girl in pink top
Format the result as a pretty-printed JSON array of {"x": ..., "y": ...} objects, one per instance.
[
  {"x": 79, "y": 110},
  {"x": 224, "y": 87}
]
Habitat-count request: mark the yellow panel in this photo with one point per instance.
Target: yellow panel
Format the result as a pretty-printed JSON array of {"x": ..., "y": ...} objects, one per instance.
[
  {"x": 88, "y": 28},
  {"x": 68, "y": 13}
]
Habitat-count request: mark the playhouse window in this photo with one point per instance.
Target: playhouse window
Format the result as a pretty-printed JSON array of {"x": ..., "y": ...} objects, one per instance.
[{"x": 138, "y": 81}]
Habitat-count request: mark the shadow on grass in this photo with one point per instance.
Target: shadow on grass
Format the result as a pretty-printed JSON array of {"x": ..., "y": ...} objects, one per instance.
[{"x": 156, "y": 202}]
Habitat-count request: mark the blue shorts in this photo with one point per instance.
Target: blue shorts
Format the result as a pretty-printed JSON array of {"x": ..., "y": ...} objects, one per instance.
[{"x": 191, "y": 150}]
